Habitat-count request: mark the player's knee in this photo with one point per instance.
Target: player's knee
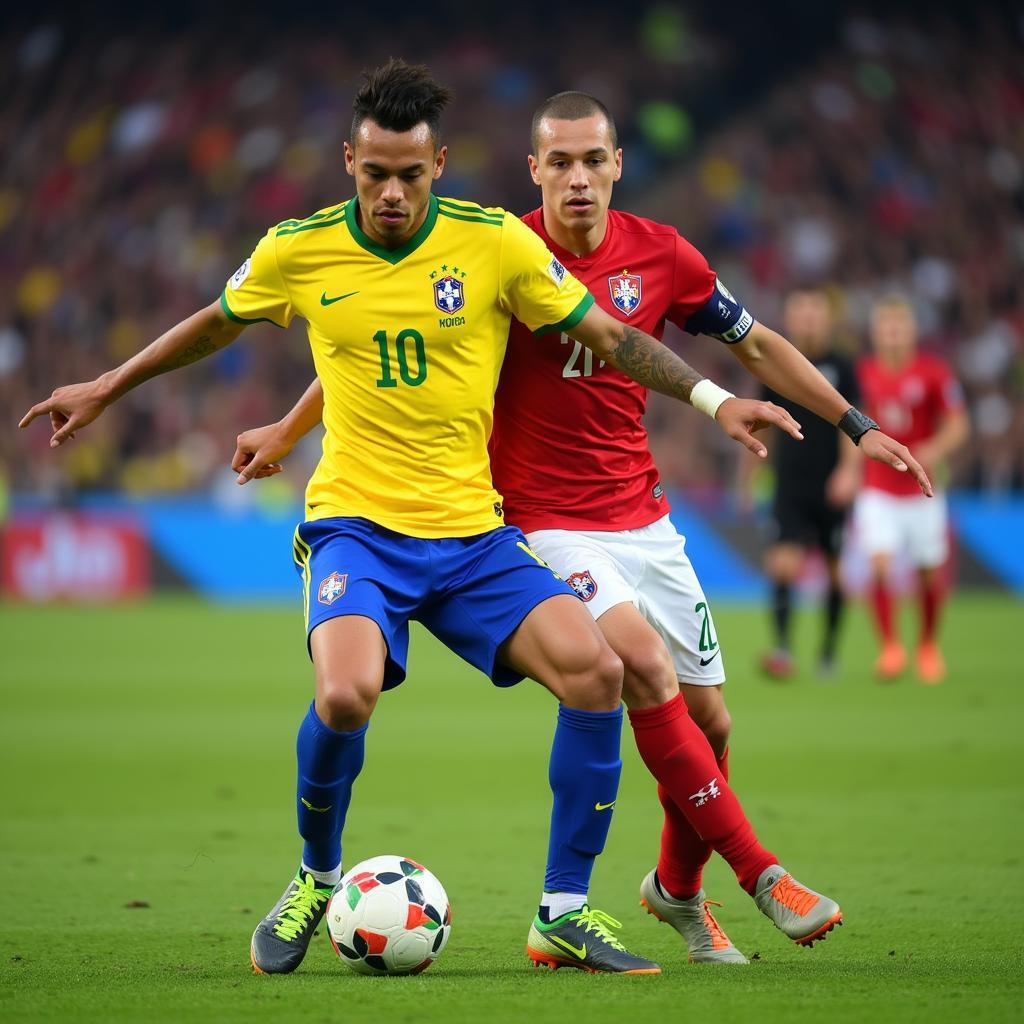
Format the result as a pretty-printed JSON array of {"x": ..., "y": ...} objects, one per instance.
[
  {"x": 345, "y": 704},
  {"x": 650, "y": 677},
  {"x": 717, "y": 730},
  {"x": 607, "y": 677},
  {"x": 596, "y": 683},
  {"x": 715, "y": 722},
  {"x": 782, "y": 562}
]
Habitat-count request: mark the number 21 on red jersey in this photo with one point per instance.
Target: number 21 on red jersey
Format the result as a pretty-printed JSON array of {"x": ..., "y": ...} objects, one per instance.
[{"x": 572, "y": 367}]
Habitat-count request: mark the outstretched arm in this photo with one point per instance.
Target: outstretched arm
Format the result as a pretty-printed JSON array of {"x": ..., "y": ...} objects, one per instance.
[
  {"x": 657, "y": 367},
  {"x": 787, "y": 371},
  {"x": 76, "y": 405},
  {"x": 258, "y": 452},
  {"x": 777, "y": 363}
]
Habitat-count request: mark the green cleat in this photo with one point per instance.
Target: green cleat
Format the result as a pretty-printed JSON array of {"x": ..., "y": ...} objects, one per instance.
[
  {"x": 801, "y": 913},
  {"x": 282, "y": 937},
  {"x": 692, "y": 918},
  {"x": 583, "y": 939}
]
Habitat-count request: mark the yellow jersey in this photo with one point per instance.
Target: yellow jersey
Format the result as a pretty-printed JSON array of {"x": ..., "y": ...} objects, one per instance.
[{"x": 407, "y": 344}]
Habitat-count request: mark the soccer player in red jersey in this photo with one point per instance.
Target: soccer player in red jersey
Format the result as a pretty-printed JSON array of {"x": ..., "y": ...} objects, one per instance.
[
  {"x": 570, "y": 456},
  {"x": 914, "y": 396}
]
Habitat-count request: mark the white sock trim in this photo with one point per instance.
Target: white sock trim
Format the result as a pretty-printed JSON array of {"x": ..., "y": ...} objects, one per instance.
[
  {"x": 323, "y": 878},
  {"x": 559, "y": 903}
]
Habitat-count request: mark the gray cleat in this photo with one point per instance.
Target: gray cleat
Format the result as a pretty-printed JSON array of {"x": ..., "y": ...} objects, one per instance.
[
  {"x": 582, "y": 939},
  {"x": 692, "y": 918},
  {"x": 282, "y": 937},
  {"x": 801, "y": 913}
]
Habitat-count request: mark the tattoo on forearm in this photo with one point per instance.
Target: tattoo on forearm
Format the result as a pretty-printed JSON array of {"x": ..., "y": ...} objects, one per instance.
[
  {"x": 653, "y": 364},
  {"x": 199, "y": 349}
]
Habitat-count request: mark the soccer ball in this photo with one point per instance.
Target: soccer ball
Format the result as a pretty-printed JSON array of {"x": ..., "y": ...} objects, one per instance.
[{"x": 389, "y": 915}]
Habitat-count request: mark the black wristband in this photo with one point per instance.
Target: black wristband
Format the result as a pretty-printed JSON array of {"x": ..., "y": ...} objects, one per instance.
[{"x": 854, "y": 424}]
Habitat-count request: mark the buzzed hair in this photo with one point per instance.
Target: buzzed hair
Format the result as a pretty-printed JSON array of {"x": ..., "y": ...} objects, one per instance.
[
  {"x": 571, "y": 106},
  {"x": 399, "y": 96}
]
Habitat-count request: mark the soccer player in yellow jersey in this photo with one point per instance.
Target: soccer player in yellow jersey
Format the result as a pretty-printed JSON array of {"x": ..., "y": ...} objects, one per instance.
[{"x": 408, "y": 299}]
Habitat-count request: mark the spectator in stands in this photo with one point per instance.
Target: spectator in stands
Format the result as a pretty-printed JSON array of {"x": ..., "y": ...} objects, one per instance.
[{"x": 135, "y": 171}]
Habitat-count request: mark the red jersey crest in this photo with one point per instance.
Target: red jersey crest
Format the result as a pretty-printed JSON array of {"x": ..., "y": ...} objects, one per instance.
[
  {"x": 583, "y": 583},
  {"x": 626, "y": 291}
]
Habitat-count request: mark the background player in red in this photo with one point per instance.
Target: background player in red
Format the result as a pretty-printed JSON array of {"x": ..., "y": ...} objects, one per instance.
[
  {"x": 915, "y": 397},
  {"x": 570, "y": 452},
  {"x": 815, "y": 483}
]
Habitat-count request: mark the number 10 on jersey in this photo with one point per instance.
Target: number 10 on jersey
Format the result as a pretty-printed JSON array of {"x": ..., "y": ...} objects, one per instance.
[{"x": 402, "y": 340}]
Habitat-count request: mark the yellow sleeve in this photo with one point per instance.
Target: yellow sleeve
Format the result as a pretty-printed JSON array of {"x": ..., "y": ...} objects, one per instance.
[
  {"x": 256, "y": 291},
  {"x": 535, "y": 287}
]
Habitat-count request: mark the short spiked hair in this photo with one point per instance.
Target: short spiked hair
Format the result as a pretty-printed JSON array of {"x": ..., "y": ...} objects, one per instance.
[
  {"x": 399, "y": 96},
  {"x": 571, "y": 106}
]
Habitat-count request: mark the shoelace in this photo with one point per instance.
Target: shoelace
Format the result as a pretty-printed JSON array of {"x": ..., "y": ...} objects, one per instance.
[
  {"x": 719, "y": 940},
  {"x": 299, "y": 908},
  {"x": 598, "y": 922},
  {"x": 793, "y": 895}
]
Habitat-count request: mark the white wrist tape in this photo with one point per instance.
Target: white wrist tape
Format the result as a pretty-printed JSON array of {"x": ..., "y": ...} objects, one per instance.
[{"x": 707, "y": 396}]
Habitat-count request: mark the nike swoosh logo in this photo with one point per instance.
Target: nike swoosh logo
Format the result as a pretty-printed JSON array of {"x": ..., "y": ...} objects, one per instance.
[
  {"x": 309, "y": 806},
  {"x": 707, "y": 661},
  {"x": 324, "y": 301},
  {"x": 603, "y": 807},
  {"x": 581, "y": 952}
]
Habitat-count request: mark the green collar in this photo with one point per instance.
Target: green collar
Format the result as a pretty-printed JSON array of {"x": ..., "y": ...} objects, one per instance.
[{"x": 390, "y": 255}]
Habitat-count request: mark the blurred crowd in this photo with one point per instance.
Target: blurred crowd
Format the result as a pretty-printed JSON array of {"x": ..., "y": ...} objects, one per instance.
[
  {"x": 893, "y": 164},
  {"x": 140, "y": 167}
]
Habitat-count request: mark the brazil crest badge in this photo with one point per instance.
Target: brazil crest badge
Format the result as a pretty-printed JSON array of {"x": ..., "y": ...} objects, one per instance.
[{"x": 449, "y": 294}]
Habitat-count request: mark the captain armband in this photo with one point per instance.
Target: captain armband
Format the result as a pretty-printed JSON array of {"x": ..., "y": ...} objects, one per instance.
[{"x": 721, "y": 317}]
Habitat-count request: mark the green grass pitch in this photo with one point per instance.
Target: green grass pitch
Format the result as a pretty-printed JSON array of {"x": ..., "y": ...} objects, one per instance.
[{"x": 147, "y": 822}]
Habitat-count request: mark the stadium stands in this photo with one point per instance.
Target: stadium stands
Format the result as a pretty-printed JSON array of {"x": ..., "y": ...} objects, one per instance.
[{"x": 141, "y": 166}]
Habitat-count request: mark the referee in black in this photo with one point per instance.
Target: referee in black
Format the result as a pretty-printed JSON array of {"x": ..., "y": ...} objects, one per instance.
[{"x": 815, "y": 482}]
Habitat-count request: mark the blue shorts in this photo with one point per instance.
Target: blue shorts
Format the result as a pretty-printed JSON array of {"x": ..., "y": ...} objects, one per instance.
[{"x": 470, "y": 592}]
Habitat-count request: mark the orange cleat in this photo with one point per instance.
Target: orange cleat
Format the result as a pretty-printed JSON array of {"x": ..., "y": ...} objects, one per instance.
[
  {"x": 892, "y": 662},
  {"x": 931, "y": 666},
  {"x": 801, "y": 913}
]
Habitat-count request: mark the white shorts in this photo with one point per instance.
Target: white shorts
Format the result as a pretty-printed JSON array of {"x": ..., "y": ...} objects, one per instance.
[
  {"x": 889, "y": 524},
  {"x": 648, "y": 568}
]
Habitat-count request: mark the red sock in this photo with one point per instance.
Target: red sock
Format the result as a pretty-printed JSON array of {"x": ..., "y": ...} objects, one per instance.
[
  {"x": 931, "y": 596},
  {"x": 881, "y": 601},
  {"x": 683, "y": 852},
  {"x": 679, "y": 756}
]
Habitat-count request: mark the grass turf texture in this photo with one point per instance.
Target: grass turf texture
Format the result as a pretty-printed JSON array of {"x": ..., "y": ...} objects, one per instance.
[{"x": 147, "y": 823}]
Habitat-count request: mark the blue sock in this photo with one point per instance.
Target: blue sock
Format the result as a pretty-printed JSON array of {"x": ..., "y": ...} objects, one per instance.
[
  {"x": 329, "y": 762},
  {"x": 584, "y": 776}
]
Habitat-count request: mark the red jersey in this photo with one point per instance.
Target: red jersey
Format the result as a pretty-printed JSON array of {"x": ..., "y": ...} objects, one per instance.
[
  {"x": 909, "y": 403},
  {"x": 569, "y": 449}
]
